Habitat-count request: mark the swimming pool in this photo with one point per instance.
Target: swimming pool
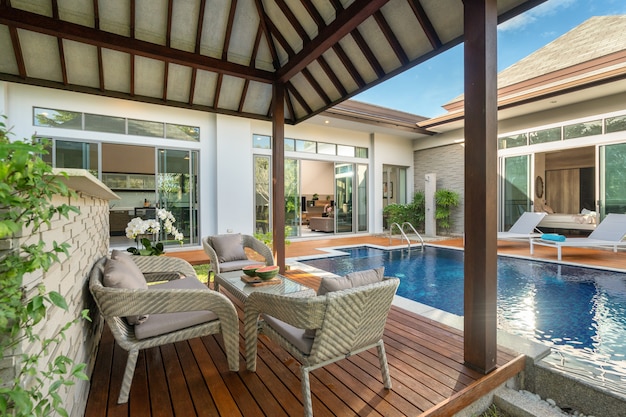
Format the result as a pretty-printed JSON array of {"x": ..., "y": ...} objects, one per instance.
[{"x": 581, "y": 311}]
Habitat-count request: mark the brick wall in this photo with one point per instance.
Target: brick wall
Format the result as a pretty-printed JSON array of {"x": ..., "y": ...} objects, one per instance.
[
  {"x": 447, "y": 162},
  {"x": 87, "y": 233}
]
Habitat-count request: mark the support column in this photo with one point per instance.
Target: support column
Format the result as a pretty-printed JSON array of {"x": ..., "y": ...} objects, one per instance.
[
  {"x": 278, "y": 174},
  {"x": 480, "y": 344}
]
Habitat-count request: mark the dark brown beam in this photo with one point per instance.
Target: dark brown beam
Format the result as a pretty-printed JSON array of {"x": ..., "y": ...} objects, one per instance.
[
  {"x": 427, "y": 25},
  {"x": 229, "y": 29},
  {"x": 47, "y": 25},
  {"x": 100, "y": 69},
  {"x": 166, "y": 70},
  {"x": 391, "y": 38},
  {"x": 133, "y": 16},
  {"x": 218, "y": 90},
  {"x": 263, "y": 21},
  {"x": 293, "y": 20},
  {"x": 299, "y": 98},
  {"x": 481, "y": 207},
  {"x": 347, "y": 62},
  {"x": 194, "y": 71},
  {"x": 333, "y": 77},
  {"x": 17, "y": 50},
  {"x": 344, "y": 23},
  {"x": 367, "y": 51},
  {"x": 55, "y": 15},
  {"x": 314, "y": 13},
  {"x": 192, "y": 85},
  {"x": 242, "y": 98},
  {"x": 168, "y": 30},
  {"x": 278, "y": 174}
]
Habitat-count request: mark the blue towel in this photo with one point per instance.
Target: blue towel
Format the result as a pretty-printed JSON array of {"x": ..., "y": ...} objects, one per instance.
[{"x": 553, "y": 236}]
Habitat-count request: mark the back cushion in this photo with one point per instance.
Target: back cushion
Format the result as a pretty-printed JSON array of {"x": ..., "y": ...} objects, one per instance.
[
  {"x": 228, "y": 247},
  {"x": 121, "y": 272},
  {"x": 353, "y": 279}
]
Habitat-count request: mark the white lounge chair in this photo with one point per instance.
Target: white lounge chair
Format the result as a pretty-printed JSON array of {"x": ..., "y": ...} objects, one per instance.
[
  {"x": 609, "y": 233},
  {"x": 524, "y": 228}
]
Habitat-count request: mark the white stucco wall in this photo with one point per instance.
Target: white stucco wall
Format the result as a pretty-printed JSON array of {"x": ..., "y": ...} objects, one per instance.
[{"x": 225, "y": 148}]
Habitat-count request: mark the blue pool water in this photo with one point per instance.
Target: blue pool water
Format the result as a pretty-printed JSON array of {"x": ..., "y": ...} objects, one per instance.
[{"x": 581, "y": 310}]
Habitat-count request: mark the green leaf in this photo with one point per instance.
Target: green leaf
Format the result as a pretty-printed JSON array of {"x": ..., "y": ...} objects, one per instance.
[{"x": 58, "y": 300}]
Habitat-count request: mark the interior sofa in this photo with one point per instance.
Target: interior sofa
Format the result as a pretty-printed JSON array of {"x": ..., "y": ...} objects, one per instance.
[{"x": 322, "y": 224}]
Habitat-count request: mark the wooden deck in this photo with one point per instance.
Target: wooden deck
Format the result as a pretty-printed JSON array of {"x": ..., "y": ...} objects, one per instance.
[{"x": 425, "y": 359}]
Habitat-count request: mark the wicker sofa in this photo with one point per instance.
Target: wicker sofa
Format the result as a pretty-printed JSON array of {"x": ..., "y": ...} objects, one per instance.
[{"x": 322, "y": 224}]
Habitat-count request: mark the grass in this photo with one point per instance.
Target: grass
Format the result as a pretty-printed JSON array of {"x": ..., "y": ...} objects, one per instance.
[
  {"x": 493, "y": 411},
  {"x": 202, "y": 271}
]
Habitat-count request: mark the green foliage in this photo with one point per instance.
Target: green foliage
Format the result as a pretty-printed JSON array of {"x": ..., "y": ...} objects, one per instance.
[
  {"x": 27, "y": 187},
  {"x": 148, "y": 248},
  {"x": 268, "y": 239},
  {"x": 415, "y": 212}
]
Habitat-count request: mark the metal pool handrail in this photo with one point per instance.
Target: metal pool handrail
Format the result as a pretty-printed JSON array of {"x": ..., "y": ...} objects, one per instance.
[{"x": 404, "y": 236}]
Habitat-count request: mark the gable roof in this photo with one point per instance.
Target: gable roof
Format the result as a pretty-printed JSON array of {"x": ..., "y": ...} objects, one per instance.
[
  {"x": 588, "y": 57},
  {"x": 224, "y": 56}
]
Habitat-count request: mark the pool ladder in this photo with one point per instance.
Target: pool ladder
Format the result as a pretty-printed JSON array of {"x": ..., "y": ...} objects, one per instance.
[{"x": 404, "y": 236}]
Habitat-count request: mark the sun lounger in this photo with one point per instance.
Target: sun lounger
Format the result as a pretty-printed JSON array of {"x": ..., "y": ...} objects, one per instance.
[
  {"x": 609, "y": 233},
  {"x": 524, "y": 227}
]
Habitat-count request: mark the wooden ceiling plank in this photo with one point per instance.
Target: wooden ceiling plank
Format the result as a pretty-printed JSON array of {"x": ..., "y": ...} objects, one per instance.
[
  {"x": 263, "y": 20},
  {"x": 332, "y": 76},
  {"x": 298, "y": 97},
  {"x": 314, "y": 13},
  {"x": 166, "y": 71},
  {"x": 242, "y": 99},
  {"x": 367, "y": 52},
  {"x": 345, "y": 22},
  {"x": 427, "y": 25},
  {"x": 347, "y": 62},
  {"x": 168, "y": 30},
  {"x": 229, "y": 29},
  {"x": 391, "y": 38},
  {"x": 293, "y": 20},
  {"x": 192, "y": 85},
  {"x": 17, "y": 50},
  {"x": 46, "y": 25}
]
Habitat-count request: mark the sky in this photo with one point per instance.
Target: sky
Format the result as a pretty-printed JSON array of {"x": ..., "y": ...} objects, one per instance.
[{"x": 424, "y": 89}]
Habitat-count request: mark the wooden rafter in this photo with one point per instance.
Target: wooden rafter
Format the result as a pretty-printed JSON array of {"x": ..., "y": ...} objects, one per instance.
[
  {"x": 347, "y": 62},
  {"x": 96, "y": 24},
  {"x": 194, "y": 71},
  {"x": 367, "y": 51},
  {"x": 292, "y": 90},
  {"x": 46, "y": 25},
  {"x": 17, "y": 50},
  {"x": 246, "y": 84},
  {"x": 133, "y": 11},
  {"x": 391, "y": 38},
  {"x": 314, "y": 13},
  {"x": 263, "y": 20},
  {"x": 333, "y": 77},
  {"x": 344, "y": 23},
  {"x": 427, "y": 25}
]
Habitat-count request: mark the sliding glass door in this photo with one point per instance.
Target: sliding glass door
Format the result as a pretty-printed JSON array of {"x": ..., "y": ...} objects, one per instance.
[
  {"x": 515, "y": 188},
  {"x": 612, "y": 176}
]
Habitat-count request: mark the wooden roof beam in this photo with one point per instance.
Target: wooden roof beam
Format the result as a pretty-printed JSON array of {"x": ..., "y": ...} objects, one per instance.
[
  {"x": 46, "y": 25},
  {"x": 426, "y": 24},
  {"x": 345, "y": 22}
]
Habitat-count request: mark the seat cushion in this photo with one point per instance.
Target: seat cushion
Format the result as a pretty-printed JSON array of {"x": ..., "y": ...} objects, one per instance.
[
  {"x": 294, "y": 335},
  {"x": 235, "y": 265},
  {"x": 121, "y": 272},
  {"x": 228, "y": 247},
  {"x": 159, "y": 324}
]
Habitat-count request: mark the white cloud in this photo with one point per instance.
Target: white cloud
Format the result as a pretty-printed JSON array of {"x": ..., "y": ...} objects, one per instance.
[{"x": 548, "y": 8}]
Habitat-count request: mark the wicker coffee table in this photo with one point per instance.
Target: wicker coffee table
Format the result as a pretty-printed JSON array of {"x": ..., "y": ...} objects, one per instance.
[{"x": 232, "y": 282}]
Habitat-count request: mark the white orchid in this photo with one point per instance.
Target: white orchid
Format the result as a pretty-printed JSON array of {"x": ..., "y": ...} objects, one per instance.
[{"x": 164, "y": 221}]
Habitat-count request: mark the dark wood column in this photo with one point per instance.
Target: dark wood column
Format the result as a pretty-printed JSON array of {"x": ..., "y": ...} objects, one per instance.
[
  {"x": 278, "y": 174},
  {"x": 481, "y": 121}
]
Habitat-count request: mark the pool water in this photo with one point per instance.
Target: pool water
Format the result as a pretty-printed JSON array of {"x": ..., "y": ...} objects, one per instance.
[{"x": 579, "y": 310}]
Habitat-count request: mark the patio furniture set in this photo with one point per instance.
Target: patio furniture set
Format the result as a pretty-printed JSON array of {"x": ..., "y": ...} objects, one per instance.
[{"x": 344, "y": 317}]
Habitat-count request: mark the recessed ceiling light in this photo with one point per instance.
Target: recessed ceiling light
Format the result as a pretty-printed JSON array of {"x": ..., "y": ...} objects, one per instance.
[{"x": 326, "y": 121}]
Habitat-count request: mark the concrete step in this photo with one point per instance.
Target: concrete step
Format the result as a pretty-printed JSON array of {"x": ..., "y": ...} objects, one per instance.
[{"x": 519, "y": 405}]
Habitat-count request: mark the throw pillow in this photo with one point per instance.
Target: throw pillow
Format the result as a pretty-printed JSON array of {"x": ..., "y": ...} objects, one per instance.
[
  {"x": 228, "y": 248},
  {"x": 123, "y": 273}
]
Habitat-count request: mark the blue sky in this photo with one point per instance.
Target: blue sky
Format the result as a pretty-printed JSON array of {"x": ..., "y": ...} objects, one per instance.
[{"x": 425, "y": 88}]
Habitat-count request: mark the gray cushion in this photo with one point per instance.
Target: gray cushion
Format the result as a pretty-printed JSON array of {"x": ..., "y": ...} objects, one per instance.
[
  {"x": 294, "y": 335},
  {"x": 169, "y": 322},
  {"x": 352, "y": 280},
  {"x": 123, "y": 273},
  {"x": 235, "y": 265},
  {"x": 228, "y": 247}
]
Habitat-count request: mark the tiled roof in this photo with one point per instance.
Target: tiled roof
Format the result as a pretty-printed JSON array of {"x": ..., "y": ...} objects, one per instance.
[{"x": 596, "y": 37}]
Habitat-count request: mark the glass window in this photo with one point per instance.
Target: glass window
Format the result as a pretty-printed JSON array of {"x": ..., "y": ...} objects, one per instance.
[
  {"x": 57, "y": 118},
  {"x": 145, "y": 128},
  {"x": 82, "y": 155},
  {"x": 326, "y": 148},
  {"x": 546, "y": 135},
  {"x": 580, "y": 130},
  {"x": 615, "y": 124},
  {"x": 290, "y": 144},
  {"x": 305, "y": 146},
  {"x": 262, "y": 194},
  {"x": 361, "y": 152},
  {"x": 108, "y": 124},
  {"x": 261, "y": 142},
  {"x": 343, "y": 150},
  {"x": 513, "y": 141},
  {"x": 182, "y": 132}
]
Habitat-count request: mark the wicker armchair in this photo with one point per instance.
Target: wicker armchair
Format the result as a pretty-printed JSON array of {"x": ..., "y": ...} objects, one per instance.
[
  {"x": 116, "y": 303},
  {"x": 247, "y": 241},
  {"x": 347, "y": 322}
]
